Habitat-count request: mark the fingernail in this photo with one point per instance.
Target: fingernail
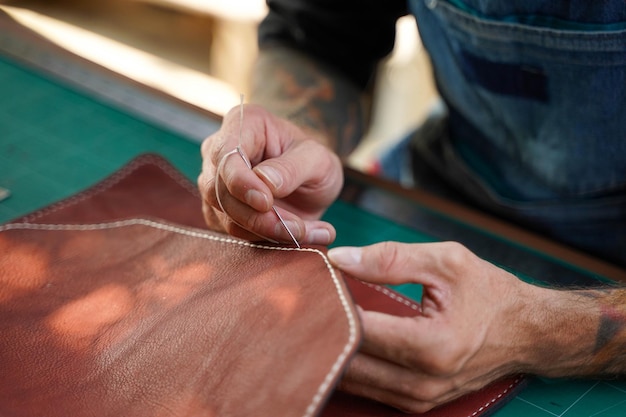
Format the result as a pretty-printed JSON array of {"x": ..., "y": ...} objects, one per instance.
[
  {"x": 319, "y": 237},
  {"x": 271, "y": 175},
  {"x": 257, "y": 200},
  {"x": 345, "y": 256}
]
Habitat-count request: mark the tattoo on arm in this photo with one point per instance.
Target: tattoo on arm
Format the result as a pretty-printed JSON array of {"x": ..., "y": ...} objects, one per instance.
[
  {"x": 312, "y": 95},
  {"x": 609, "y": 353}
]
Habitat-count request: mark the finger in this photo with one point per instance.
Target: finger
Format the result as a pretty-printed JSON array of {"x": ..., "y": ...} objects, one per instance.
[
  {"x": 263, "y": 224},
  {"x": 221, "y": 159},
  {"x": 220, "y": 222},
  {"x": 389, "y": 262},
  {"x": 305, "y": 165},
  {"x": 388, "y": 383},
  {"x": 245, "y": 219},
  {"x": 407, "y": 390},
  {"x": 428, "y": 344},
  {"x": 401, "y": 340},
  {"x": 318, "y": 233},
  {"x": 242, "y": 183}
]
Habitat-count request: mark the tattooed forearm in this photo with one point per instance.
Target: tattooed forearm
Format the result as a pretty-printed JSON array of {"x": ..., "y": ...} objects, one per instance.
[
  {"x": 607, "y": 350},
  {"x": 312, "y": 95},
  {"x": 609, "y": 356},
  {"x": 577, "y": 333}
]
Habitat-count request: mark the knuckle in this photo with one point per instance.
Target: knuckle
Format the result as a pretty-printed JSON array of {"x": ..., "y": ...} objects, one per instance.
[
  {"x": 233, "y": 113},
  {"x": 446, "y": 362},
  {"x": 457, "y": 255},
  {"x": 235, "y": 185},
  {"x": 441, "y": 365},
  {"x": 389, "y": 257},
  {"x": 251, "y": 111},
  {"x": 417, "y": 397},
  {"x": 205, "y": 185},
  {"x": 205, "y": 147},
  {"x": 212, "y": 148},
  {"x": 288, "y": 170},
  {"x": 386, "y": 257},
  {"x": 254, "y": 223},
  {"x": 425, "y": 396}
]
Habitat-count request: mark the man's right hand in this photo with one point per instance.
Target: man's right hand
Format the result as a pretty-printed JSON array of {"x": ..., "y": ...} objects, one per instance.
[{"x": 291, "y": 170}]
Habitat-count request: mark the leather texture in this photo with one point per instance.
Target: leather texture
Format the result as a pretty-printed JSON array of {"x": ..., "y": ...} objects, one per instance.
[
  {"x": 144, "y": 318},
  {"x": 105, "y": 312}
]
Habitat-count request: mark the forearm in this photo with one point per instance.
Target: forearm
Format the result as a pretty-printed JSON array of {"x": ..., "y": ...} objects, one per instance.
[
  {"x": 579, "y": 333},
  {"x": 312, "y": 95}
]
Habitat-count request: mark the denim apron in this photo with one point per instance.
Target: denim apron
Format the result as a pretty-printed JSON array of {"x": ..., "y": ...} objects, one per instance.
[{"x": 535, "y": 93}]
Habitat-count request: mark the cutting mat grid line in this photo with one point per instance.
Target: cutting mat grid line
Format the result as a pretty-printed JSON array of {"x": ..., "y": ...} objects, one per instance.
[
  {"x": 570, "y": 399},
  {"x": 55, "y": 141}
]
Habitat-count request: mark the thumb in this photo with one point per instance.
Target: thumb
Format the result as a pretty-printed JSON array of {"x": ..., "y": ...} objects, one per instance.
[
  {"x": 304, "y": 162},
  {"x": 382, "y": 263}
]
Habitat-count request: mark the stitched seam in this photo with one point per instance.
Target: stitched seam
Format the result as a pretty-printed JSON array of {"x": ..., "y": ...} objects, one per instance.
[
  {"x": 496, "y": 398},
  {"x": 113, "y": 180},
  {"x": 396, "y": 297},
  {"x": 335, "y": 368}
]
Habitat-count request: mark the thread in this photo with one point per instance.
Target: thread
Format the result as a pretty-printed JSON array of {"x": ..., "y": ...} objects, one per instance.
[{"x": 239, "y": 150}]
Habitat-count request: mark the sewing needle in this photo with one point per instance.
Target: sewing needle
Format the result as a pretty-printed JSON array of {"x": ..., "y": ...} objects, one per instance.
[{"x": 249, "y": 165}]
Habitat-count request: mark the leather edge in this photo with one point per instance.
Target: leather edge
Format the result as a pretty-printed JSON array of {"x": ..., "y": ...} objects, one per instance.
[
  {"x": 110, "y": 181},
  {"x": 345, "y": 298}
]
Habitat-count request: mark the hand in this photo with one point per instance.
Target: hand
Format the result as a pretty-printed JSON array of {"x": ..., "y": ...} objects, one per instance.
[
  {"x": 465, "y": 336},
  {"x": 291, "y": 170}
]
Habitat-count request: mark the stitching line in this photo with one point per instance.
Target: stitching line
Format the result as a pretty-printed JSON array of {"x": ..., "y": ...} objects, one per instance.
[
  {"x": 184, "y": 182},
  {"x": 393, "y": 295},
  {"x": 115, "y": 179},
  {"x": 396, "y": 297},
  {"x": 496, "y": 398},
  {"x": 335, "y": 368}
]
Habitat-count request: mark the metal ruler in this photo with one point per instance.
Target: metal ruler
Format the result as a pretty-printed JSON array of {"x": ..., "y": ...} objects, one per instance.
[{"x": 141, "y": 101}]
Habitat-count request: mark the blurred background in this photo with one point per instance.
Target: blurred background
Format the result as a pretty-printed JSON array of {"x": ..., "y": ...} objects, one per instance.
[{"x": 201, "y": 51}]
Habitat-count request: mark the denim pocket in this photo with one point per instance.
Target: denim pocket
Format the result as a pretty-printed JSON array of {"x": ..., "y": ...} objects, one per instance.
[{"x": 546, "y": 94}]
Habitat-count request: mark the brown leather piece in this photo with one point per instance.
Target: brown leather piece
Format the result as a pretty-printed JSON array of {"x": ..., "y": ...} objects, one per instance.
[
  {"x": 146, "y": 186},
  {"x": 142, "y": 318},
  {"x": 149, "y": 186}
]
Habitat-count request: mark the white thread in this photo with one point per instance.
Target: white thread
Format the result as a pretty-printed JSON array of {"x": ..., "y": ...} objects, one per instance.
[
  {"x": 496, "y": 398},
  {"x": 394, "y": 296},
  {"x": 219, "y": 200},
  {"x": 239, "y": 149},
  {"x": 337, "y": 366},
  {"x": 352, "y": 325},
  {"x": 217, "y": 174},
  {"x": 184, "y": 182}
]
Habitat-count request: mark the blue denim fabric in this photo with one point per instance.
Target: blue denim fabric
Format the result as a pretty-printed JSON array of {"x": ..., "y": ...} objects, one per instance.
[{"x": 536, "y": 95}]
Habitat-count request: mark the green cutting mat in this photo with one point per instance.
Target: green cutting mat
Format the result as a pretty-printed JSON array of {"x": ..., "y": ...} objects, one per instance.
[{"x": 55, "y": 141}]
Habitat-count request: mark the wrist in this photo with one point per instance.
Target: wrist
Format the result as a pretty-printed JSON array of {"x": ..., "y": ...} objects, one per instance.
[{"x": 558, "y": 331}]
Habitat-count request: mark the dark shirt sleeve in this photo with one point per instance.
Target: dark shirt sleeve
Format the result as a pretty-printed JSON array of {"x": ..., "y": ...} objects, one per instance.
[{"x": 350, "y": 35}]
